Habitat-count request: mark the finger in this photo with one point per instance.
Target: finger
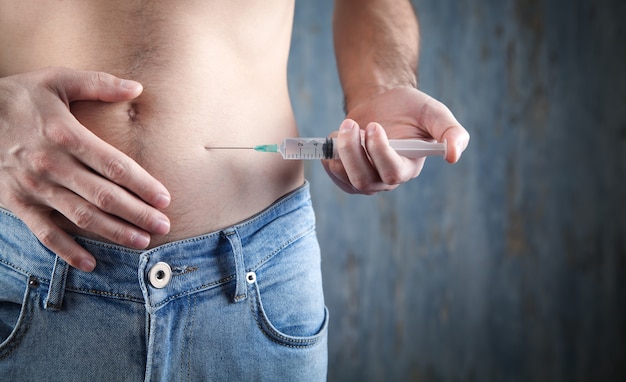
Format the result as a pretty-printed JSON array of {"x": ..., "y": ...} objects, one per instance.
[
  {"x": 107, "y": 196},
  {"x": 90, "y": 218},
  {"x": 75, "y": 85},
  {"x": 337, "y": 172},
  {"x": 360, "y": 171},
  {"x": 392, "y": 168},
  {"x": 110, "y": 195},
  {"x": 122, "y": 170},
  {"x": 115, "y": 200},
  {"x": 456, "y": 139},
  {"x": 441, "y": 124},
  {"x": 113, "y": 165},
  {"x": 58, "y": 241}
]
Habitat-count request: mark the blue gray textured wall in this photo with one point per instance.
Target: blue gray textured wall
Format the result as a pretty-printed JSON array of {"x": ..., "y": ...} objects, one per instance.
[{"x": 511, "y": 265}]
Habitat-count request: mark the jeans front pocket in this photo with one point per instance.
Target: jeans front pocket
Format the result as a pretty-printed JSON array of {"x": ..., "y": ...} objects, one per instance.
[
  {"x": 286, "y": 295},
  {"x": 16, "y": 308}
]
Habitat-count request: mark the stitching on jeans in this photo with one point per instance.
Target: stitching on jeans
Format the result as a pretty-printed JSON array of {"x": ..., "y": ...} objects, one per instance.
[
  {"x": 191, "y": 291},
  {"x": 104, "y": 294},
  {"x": 286, "y": 244},
  {"x": 16, "y": 268},
  {"x": 189, "y": 324},
  {"x": 310, "y": 343},
  {"x": 272, "y": 208},
  {"x": 69, "y": 288},
  {"x": 21, "y": 328},
  {"x": 282, "y": 340}
]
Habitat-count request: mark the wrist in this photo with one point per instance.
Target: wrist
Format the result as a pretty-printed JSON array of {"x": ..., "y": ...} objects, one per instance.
[{"x": 355, "y": 97}]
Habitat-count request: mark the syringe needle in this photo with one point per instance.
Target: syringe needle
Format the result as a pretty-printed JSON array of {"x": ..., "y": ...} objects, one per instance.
[
  {"x": 262, "y": 148},
  {"x": 228, "y": 148}
]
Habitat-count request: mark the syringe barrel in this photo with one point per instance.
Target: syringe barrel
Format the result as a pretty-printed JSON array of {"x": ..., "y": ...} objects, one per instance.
[
  {"x": 308, "y": 148},
  {"x": 326, "y": 148}
]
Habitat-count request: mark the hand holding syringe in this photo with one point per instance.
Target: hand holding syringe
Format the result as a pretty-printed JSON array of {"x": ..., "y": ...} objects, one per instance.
[{"x": 325, "y": 148}]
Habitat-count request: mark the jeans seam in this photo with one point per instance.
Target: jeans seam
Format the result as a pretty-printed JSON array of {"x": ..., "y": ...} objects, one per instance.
[
  {"x": 194, "y": 290},
  {"x": 20, "y": 270},
  {"x": 276, "y": 336},
  {"x": 282, "y": 247},
  {"x": 21, "y": 327},
  {"x": 189, "y": 324},
  {"x": 94, "y": 292}
]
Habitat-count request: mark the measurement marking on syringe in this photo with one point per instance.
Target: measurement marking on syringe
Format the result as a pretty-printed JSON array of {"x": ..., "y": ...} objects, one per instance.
[{"x": 324, "y": 148}]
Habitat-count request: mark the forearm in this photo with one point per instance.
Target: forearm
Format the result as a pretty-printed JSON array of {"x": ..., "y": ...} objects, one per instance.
[{"x": 376, "y": 46}]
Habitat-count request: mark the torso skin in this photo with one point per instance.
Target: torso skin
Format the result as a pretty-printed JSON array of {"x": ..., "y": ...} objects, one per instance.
[{"x": 214, "y": 74}]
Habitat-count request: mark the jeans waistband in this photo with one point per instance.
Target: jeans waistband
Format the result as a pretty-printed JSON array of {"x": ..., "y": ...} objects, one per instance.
[{"x": 196, "y": 263}]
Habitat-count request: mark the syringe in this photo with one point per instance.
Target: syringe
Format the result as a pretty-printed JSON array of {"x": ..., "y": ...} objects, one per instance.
[{"x": 325, "y": 148}]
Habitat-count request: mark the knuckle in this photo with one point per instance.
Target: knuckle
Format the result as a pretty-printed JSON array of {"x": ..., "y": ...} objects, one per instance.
[
  {"x": 84, "y": 216},
  {"x": 47, "y": 236},
  {"x": 391, "y": 177},
  {"x": 31, "y": 182},
  {"x": 105, "y": 198},
  {"x": 59, "y": 134},
  {"x": 123, "y": 236},
  {"x": 361, "y": 184},
  {"x": 100, "y": 79},
  {"x": 142, "y": 218},
  {"x": 116, "y": 170},
  {"x": 42, "y": 163}
]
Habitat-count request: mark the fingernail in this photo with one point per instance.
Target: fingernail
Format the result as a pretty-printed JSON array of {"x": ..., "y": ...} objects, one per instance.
[
  {"x": 459, "y": 150},
  {"x": 162, "y": 201},
  {"x": 130, "y": 84},
  {"x": 460, "y": 146},
  {"x": 371, "y": 129},
  {"x": 87, "y": 264},
  {"x": 140, "y": 240},
  {"x": 162, "y": 227},
  {"x": 347, "y": 126}
]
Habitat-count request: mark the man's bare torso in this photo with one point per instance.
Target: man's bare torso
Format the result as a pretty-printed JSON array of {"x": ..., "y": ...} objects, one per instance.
[{"x": 214, "y": 73}]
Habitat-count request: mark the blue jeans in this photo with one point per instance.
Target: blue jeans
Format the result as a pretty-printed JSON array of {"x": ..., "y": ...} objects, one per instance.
[{"x": 241, "y": 304}]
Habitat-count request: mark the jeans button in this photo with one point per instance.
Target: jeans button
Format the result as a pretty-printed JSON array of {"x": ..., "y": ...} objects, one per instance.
[
  {"x": 160, "y": 275},
  {"x": 251, "y": 277}
]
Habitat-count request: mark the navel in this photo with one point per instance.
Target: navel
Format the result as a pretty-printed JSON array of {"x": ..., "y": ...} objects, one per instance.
[{"x": 133, "y": 112}]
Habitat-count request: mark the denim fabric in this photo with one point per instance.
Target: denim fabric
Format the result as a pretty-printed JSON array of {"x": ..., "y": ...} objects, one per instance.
[{"x": 242, "y": 304}]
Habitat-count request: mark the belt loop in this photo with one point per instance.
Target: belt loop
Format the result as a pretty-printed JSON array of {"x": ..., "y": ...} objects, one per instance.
[
  {"x": 54, "y": 300},
  {"x": 241, "y": 289}
]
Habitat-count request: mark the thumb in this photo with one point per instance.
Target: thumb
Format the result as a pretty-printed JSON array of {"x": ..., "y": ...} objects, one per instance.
[
  {"x": 83, "y": 85},
  {"x": 457, "y": 139}
]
